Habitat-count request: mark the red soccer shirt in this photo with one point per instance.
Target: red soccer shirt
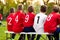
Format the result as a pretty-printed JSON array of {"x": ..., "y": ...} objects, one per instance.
[
  {"x": 51, "y": 22},
  {"x": 10, "y": 22},
  {"x": 29, "y": 20},
  {"x": 0, "y": 16},
  {"x": 18, "y": 22}
]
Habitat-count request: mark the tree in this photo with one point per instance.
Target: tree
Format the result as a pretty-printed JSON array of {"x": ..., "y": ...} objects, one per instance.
[
  {"x": 50, "y": 7},
  {"x": 7, "y": 6},
  {"x": 1, "y": 7},
  {"x": 45, "y": 2}
]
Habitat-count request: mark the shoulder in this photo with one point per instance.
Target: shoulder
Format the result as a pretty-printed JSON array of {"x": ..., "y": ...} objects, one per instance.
[
  {"x": 45, "y": 15},
  {"x": 0, "y": 14},
  {"x": 9, "y": 14},
  {"x": 33, "y": 13},
  {"x": 38, "y": 14},
  {"x": 58, "y": 15},
  {"x": 22, "y": 14}
]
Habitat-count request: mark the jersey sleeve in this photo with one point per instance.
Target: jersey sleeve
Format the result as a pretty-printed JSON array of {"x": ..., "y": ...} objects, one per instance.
[
  {"x": 45, "y": 18},
  {"x": 34, "y": 25},
  {"x": 1, "y": 17}
]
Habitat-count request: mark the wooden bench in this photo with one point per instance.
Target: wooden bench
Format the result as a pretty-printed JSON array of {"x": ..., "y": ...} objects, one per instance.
[{"x": 10, "y": 32}]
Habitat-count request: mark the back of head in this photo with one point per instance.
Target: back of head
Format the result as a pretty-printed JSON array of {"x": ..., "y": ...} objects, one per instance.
[
  {"x": 43, "y": 8},
  {"x": 19, "y": 7},
  {"x": 56, "y": 8},
  {"x": 12, "y": 10},
  {"x": 30, "y": 9}
]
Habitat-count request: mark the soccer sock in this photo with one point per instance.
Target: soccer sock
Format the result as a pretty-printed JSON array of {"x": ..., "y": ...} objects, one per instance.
[
  {"x": 13, "y": 36},
  {"x": 57, "y": 36},
  {"x": 38, "y": 37},
  {"x": 0, "y": 23},
  {"x": 33, "y": 36},
  {"x": 29, "y": 36},
  {"x": 22, "y": 37},
  {"x": 49, "y": 37}
]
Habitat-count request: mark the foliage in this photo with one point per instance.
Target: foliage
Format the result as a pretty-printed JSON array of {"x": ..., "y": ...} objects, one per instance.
[
  {"x": 37, "y": 7},
  {"x": 1, "y": 7},
  {"x": 50, "y": 6},
  {"x": 4, "y": 8}
]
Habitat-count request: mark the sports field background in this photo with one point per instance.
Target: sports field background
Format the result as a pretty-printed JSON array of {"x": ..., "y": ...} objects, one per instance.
[
  {"x": 3, "y": 28},
  {"x": 4, "y": 10}
]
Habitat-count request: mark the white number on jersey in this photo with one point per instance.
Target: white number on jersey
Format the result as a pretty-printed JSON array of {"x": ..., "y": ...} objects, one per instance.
[
  {"x": 26, "y": 18},
  {"x": 38, "y": 19},
  {"x": 49, "y": 17},
  {"x": 10, "y": 19},
  {"x": 16, "y": 19}
]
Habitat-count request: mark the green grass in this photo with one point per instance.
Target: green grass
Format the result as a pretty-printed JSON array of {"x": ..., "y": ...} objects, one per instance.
[{"x": 3, "y": 28}]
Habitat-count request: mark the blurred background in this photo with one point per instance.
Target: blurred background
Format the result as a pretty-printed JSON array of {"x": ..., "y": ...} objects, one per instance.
[{"x": 5, "y": 5}]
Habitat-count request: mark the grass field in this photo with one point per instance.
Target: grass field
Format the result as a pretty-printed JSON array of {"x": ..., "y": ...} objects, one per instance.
[{"x": 3, "y": 35}]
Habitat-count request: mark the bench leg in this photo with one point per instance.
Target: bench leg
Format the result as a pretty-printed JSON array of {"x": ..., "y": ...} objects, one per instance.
[
  {"x": 11, "y": 36},
  {"x": 6, "y": 36}
]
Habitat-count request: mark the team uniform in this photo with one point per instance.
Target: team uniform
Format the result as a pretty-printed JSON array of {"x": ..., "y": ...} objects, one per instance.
[
  {"x": 18, "y": 22},
  {"x": 10, "y": 22},
  {"x": 0, "y": 18},
  {"x": 39, "y": 23},
  {"x": 51, "y": 23},
  {"x": 28, "y": 24}
]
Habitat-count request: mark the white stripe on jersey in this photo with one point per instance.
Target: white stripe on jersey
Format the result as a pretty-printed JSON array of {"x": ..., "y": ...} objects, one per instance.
[{"x": 39, "y": 22}]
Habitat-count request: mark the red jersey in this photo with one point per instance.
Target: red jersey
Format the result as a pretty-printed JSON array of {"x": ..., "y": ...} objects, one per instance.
[
  {"x": 0, "y": 16},
  {"x": 10, "y": 22},
  {"x": 29, "y": 20},
  {"x": 51, "y": 22},
  {"x": 18, "y": 22}
]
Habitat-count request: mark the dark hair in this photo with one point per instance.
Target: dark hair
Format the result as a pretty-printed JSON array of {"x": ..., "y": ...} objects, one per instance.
[
  {"x": 30, "y": 9},
  {"x": 55, "y": 8},
  {"x": 43, "y": 8},
  {"x": 12, "y": 10},
  {"x": 19, "y": 7}
]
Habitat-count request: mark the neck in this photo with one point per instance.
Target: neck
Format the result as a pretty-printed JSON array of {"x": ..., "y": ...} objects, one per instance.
[
  {"x": 20, "y": 10},
  {"x": 43, "y": 12}
]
